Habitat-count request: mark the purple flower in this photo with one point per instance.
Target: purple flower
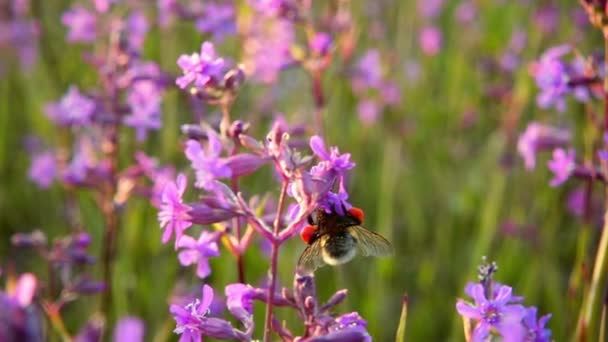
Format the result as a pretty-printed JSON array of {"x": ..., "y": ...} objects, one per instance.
[
  {"x": 429, "y": 8},
  {"x": 136, "y": 28},
  {"x": 466, "y": 12},
  {"x": 332, "y": 158},
  {"x": 219, "y": 20},
  {"x": 200, "y": 68},
  {"x": 198, "y": 251},
  {"x": 173, "y": 214},
  {"x": 538, "y": 137},
  {"x": 551, "y": 75},
  {"x": 321, "y": 43},
  {"x": 493, "y": 313},
  {"x": 562, "y": 165},
  {"x": 368, "y": 71},
  {"x": 536, "y": 331},
  {"x": 73, "y": 109},
  {"x": 129, "y": 329},
  {"x": 84, "y": 161},
  {"x": 430, "y": 40},
  {"x": 102, "y": 6},
  {"x": 207, "y": 163},
  {"x": 267, "y": 48},
  {"x": 193, "y": 321},
  {"x": 43, "y": 169},
  {"x": 239, "y": 300},
  {"x": 577, "y": 201},
  {"x": 81, "y": 24},
  {"x": 368, "y": 110},
  {"x": 165, "y": 10}
]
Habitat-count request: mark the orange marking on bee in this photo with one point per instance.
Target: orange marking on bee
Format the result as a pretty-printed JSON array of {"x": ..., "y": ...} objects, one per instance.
[
  {"x": 357, "y": 213},
  {"x": 307, "y": 233}
]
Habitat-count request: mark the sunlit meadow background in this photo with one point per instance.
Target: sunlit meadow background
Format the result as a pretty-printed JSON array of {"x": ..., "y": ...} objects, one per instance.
[{"x": 438, "y": 174}]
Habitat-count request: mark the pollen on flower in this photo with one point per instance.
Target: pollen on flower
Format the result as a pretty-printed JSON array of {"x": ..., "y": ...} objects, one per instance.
[
  {"x": 307, "y": 233},
  {"x": 357, "y": 213}
]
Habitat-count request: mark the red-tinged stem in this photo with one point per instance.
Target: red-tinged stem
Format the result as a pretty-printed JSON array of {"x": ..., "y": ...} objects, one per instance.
[
  {"x": 52, "y": 311},
  {"x": 274, "y": 258}
]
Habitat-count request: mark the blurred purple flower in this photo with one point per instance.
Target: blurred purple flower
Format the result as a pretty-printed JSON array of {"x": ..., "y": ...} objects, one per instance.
[
  {"x": 193, "y": 321},
  {"x": 22, "y": 34},
  {"x": 267, "y": 48},
  {"x": 136, "y": 28},
  {"x": 538, "y": 137},
  {"x": 369, "y": 111},
  {"x": 429, "y": 8},
  {"x": 173, "y": 214},
  {"x": 102, "y": 6},
  {"x": 200, "y": 68},
  {"x": 83, "y": 162},
  {"x": 73, "y": 109},
  {"x": 166, "y": 10},
  {"x": 577, "y": 201},
  {"x": 321, "y": 43},
  {"x": 536, "y": 331},
  {"x": 547, "y": 18},
  {"x": 430, "y": 38},
  {"x": 466, "y": 12},
  {"x": 207, "y": 163},
  {"x": 43, "y": 169},
  {"x": 198, "y": 251},
  {"x": 368, "y": 71},
  {"x": 493, "y": 313},
  {"x": 562, "y": 165},
  {"x": 129, "y": 329},
  {"x": 81, "y": 24},
  {"x": 218, "y": 20},
  {"x": 551, "y": 75},
  {"x": 144, "y": 98}
]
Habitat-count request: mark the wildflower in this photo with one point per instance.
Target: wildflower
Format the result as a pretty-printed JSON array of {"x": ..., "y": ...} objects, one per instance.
[
  {"x": 219, "y": 20},
  {"x": 551, "y": 75},
  {"x": 207, "y": 163},
  {"x": 368, "y": 71},
  {"x": 368, "y": 110},
  {"x": 430, "y": 8},
  {"x": 536, "y": 331},
  {"x": 466, "y": 12},
  {"x": 81, "y": 24},
  {"x": 239, "y": 300},
  {"x": 129, "y": 328},
  {"x": 267, "y": 48},
  {"x": 19, "y": 319},
  {"x": 173, "y": 214},
  {"x": 538, "y": 137},
  {"x": 198, "y": 251},
  {"x": 73, "y": 109},
  {"x": 493, "y": 313},
  {"x": 136, "y": 28},
  {"x": 562, "y": 165},
  {"x": 200, "y": 68},
  {"x": 193, "y": 321},
  {"x": 430, "y": 40},
  {"x": 144, "y": 99},
  {"x": 320, "y": 43},
  {"x": 43, "y": 169}
]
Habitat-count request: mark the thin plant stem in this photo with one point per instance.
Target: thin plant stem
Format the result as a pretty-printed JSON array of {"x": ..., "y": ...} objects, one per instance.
[
  {"x": 274, "y": 258},
  {"x": 592, "y": 305}
]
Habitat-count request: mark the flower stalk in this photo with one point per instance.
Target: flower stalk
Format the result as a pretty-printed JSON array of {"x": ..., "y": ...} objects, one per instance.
[{"x": 274, "y": 260}]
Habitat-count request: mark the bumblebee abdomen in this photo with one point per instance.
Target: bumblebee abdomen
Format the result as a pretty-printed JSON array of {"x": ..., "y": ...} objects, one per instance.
[{"x": 339, "y": 248}]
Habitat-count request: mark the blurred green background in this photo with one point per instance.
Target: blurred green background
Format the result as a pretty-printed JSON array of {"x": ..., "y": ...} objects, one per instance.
[{"x": 438, "y": 174}]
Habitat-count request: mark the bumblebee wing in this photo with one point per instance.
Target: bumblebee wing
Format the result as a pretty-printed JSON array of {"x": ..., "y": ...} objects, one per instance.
[
  {"x": 312, "y": 258},
  {"x": 370, "y": 243}
]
